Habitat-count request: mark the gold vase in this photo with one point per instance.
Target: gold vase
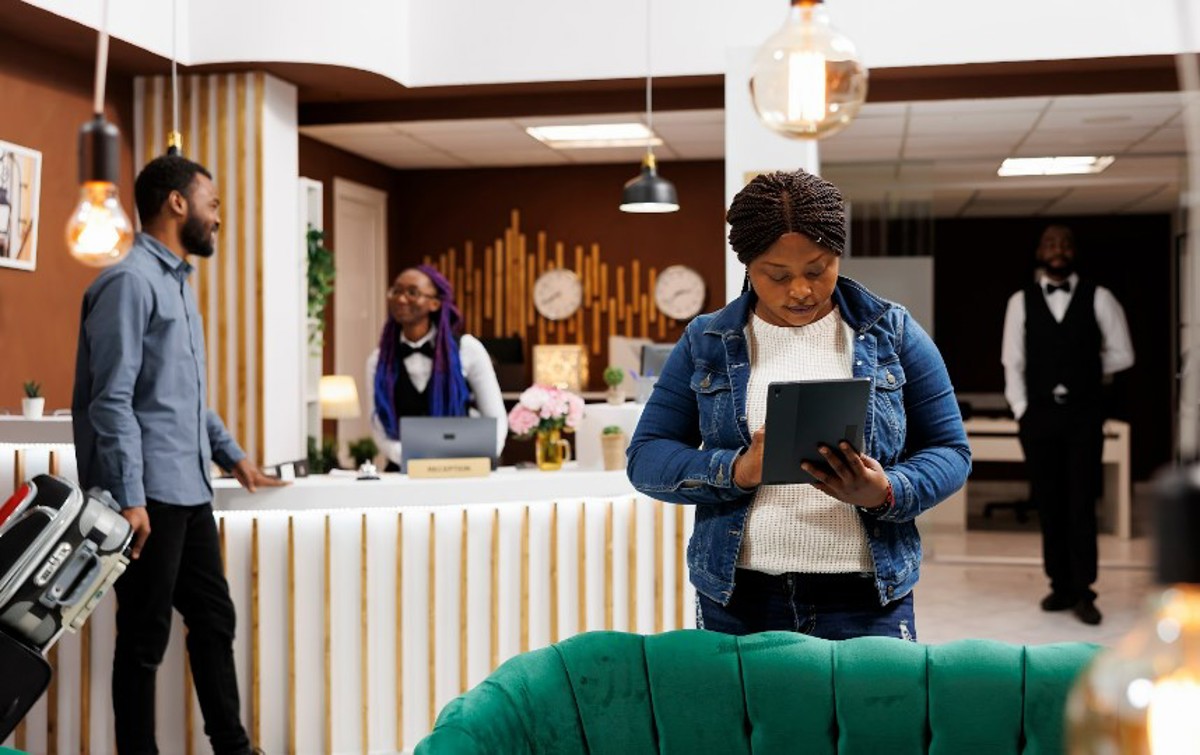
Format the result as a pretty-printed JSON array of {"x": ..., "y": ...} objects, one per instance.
[{"x": 551, "y": 449}]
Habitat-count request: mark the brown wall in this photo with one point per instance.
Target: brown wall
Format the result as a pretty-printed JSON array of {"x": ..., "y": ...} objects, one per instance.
[
  {"x": 46, "y": 99},
  {"x": 576, "y": 205}
]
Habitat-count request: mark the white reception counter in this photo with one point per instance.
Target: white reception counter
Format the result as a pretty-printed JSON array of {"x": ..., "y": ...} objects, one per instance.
[{"x": 365, "y": 606}]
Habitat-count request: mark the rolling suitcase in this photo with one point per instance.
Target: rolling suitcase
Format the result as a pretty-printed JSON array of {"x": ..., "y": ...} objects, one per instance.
[
  {"x": 26, "y": 676},
  {"x": 60, "y": 551}
]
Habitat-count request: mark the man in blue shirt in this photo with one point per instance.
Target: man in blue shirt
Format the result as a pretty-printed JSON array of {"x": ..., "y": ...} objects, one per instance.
[{"x": 144, "y": 432}]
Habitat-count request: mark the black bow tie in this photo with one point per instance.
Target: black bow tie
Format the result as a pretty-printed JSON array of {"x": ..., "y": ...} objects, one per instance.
[
  {"x": 1065, "y": 287},
  {"x": 404, "y": 350}
]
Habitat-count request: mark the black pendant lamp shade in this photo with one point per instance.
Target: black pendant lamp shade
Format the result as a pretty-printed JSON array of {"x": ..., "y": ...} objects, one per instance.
[{"x": 649, "y": 192}]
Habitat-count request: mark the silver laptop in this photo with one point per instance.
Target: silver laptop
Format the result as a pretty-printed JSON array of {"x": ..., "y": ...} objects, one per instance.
[{"x": 446, "y": 438}]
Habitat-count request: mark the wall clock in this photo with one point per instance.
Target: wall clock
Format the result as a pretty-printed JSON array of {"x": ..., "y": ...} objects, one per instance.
[
  {"x": 557, "y": 294},
  {"x": 679, "y": 292}
]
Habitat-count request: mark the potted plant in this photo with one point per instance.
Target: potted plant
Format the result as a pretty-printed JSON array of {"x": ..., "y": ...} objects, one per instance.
[
  {"x": 320, "y": 283},
  {"x": 613, "y": 377},
  {"x": 612, "y": 443},
  {"x": 363, "y": 450},
  {"x": 34, "y": 403}
]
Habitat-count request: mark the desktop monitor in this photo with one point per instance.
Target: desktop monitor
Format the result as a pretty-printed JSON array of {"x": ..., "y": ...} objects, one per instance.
[
  {"x": 654, "y": 356},
  {"x": 446, "y": 438}
]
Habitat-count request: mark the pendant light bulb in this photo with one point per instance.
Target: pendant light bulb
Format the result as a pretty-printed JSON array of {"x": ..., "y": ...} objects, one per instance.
[
  {"x": 648, "y": 192},
  {"x": 808, "y": 82},
  {"x": 99, "y": 232}
]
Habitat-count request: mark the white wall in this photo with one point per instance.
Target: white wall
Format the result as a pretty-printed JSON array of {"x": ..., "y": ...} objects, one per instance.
[{"x": 435, "y": 42}]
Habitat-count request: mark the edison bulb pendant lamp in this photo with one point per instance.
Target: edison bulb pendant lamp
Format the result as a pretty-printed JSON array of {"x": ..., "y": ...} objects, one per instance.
[
  {"x": 808, "y": 81},
  {"x": 99, "y": 232},
  {"x": 1142, "y": 695}
]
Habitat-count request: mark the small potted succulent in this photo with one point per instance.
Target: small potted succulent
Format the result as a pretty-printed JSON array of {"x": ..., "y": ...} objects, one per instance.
[
  {"x": 613, "y": 377},
  {"x": 34, "y": 403},
  {"x": 612, "y": 443}
]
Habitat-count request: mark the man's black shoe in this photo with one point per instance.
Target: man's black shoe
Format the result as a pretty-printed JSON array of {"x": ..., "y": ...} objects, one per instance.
[
  {"x": 1086, "y": 611},
  {"x": 1058, "y": 602}
]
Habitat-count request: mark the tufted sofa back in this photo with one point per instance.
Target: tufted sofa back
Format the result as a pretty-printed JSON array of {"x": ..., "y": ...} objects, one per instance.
[{"x": 694, "y": 691}]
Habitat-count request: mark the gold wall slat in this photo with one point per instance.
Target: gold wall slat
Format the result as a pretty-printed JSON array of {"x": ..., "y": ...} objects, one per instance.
[
  {"x": 608, "y": 566},
  {"x": 85, "y": 689},
  {"x": 259, "y": 162},
  {"x": 658, "y": 567},
  {"x": 680, "y": 566},
  {"x": 364, "y": 679},
  {"x": 52, "y": 693},
  {"x": 18, "y": 468},
  {"x": 327, "y": 621},
  {"x": 635, "y": 285},
  {"x": 650, "y": 294},
  {"x": 463, "y": 581},
  {"x": 291, "y": 635},
  {"x": 621, "y": 306},
  {"x": 631, "y": 549},
  {"x": 525, "y": 581},
  {"x": 400, "y": 631},
  {"x": 554, "y": 572},
  {"x": 226, "y": 252},
  {"x": 582, "y": 546},
  {"x": 204, "y": 266},
  {"x": 494, "y": 630},
  {"x": 255, "y": 646},
  {"x": 241, "y": 343},
  {"x": 432, "y": 587}
]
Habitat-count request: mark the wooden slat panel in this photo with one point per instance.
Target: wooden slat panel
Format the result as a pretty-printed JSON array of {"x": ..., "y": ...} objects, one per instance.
[{"x": 239, "y": 277}]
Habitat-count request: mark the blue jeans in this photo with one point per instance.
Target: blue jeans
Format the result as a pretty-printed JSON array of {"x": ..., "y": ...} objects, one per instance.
[{"x": 829, "y": 606}]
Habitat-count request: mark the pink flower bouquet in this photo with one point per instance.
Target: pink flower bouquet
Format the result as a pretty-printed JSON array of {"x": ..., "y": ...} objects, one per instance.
[{"x": 544, "y": 407}]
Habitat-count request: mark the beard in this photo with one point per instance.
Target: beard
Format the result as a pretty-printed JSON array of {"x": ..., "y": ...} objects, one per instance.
[
  {"x": 1061, "y": 267},
  {"x": 196, "y": 237}
]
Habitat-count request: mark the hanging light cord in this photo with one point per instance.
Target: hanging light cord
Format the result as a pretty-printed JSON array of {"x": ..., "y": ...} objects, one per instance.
[
  {"x": 174, "y": 76},
  {"x": 101, "y": 61},
  {"x": 649, "y": 98}
]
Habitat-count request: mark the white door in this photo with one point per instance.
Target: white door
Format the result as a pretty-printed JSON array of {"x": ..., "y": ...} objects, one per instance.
[{"x": 360, "y": 254}]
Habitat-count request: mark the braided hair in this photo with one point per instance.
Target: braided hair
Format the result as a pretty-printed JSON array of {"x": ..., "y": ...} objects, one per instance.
[
  {"x": 448, "y": 391},
  {"x": 786, "y": 202}
]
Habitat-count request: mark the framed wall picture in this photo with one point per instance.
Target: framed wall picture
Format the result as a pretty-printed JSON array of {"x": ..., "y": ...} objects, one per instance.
[{"x": 20, "y": 187}]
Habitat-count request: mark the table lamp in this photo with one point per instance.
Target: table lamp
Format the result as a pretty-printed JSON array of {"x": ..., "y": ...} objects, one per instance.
[
  {"x": 1142, "y": 695},
  {"x": 338, "y": 395}
]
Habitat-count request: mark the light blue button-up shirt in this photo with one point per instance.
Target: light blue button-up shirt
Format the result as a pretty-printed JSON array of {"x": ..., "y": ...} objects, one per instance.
[{"x": 142, "y": 425}]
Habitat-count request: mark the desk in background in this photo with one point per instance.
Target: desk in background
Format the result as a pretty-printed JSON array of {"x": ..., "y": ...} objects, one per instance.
[{"x": 995, "y": 439}]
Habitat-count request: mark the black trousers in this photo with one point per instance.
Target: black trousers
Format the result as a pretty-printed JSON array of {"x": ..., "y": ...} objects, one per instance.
[
  {"x": 180, "y": 567},
  {"x": 1063, "y": 449}
]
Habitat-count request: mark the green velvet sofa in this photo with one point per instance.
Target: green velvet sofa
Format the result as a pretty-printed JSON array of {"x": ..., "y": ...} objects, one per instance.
[{"x": 694, "y": 691}]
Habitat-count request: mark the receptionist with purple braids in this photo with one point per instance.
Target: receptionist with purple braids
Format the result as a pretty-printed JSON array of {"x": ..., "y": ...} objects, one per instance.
[{"x": 425, "y": 365}]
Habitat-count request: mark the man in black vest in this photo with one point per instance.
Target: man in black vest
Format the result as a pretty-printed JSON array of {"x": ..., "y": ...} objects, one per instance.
[{"x": 1063, "y": 338}]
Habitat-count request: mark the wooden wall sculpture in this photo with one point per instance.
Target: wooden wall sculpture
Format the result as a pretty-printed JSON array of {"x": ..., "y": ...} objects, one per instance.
[{"x": 494, "y": 289}]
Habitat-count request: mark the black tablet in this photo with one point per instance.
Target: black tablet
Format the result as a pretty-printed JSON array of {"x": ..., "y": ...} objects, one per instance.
[{"x": 804, "y": 414}]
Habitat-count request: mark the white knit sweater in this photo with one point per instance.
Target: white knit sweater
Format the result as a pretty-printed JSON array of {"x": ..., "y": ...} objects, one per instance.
[{"x": 797, "y": 528}]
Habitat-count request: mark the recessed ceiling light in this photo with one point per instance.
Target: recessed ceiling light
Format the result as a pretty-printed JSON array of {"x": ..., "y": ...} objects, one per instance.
[
  {"x": 588, "y": 136},
  {"x": 1054, "y": 166}
]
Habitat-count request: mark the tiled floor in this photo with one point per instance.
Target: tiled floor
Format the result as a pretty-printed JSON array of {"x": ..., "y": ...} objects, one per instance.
[{"x": 989, "y": 585}]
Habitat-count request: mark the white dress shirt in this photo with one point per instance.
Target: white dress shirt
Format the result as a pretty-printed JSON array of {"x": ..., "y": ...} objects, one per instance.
[
  {"x": 477, "y": 369},
  {"x": 1116, "y": 347}
]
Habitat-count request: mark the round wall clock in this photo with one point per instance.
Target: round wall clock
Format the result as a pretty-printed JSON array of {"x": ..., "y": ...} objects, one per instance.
[
  {"x": 557, "y": 294},
  {"x": 679, "y": 292}
]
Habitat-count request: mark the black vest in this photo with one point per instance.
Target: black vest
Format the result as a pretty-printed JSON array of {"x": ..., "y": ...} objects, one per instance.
[
  {"x": 1063, "y": 353},
  {"x": 406, "y": 399}
]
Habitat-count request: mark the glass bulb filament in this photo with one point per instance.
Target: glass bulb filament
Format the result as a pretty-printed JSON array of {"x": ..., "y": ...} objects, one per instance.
[{"x": 99, "y": 232}]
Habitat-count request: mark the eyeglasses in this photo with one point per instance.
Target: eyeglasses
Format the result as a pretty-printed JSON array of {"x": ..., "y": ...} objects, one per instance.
[{"x": 412, "y": 293}]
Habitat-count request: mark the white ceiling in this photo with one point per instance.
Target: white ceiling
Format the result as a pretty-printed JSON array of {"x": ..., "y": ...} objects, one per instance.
[{"x": 942, "y": 154}]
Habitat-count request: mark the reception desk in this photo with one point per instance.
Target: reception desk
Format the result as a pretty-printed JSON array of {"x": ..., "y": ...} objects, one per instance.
[{"x": 365, "y": 606}]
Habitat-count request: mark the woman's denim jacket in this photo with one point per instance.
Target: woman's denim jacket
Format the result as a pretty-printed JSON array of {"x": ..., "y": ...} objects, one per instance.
[{"x": 694, "y": 425}]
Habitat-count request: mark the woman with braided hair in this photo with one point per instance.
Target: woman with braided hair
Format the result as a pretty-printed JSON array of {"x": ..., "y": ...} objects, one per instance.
[
  {"x": 425, "y": 365},
  {"x": 838, "y": 558}
]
